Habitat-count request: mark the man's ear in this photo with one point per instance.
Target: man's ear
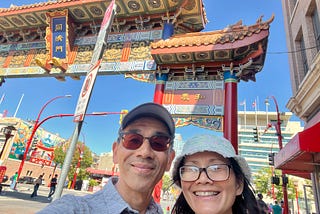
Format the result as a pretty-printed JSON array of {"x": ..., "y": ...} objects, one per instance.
[
  {"x": 171, "y": 154},
  {"x": 115, "y": 147}
]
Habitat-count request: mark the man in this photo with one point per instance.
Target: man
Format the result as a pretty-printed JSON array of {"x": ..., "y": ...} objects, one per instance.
[
  {"x": 143, "y": 152},
  {"x": 53, "y": 184},
  {"x": 263, "y": 207},
  {"x": 36, "y": 186},
  {"x": 13, "y": 180},
  {"x": 276, "y": 208}
]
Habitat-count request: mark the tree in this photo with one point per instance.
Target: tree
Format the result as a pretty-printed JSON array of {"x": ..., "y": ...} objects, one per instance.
[
  {"x": 262, "y": 183},
  {"x": 86, "y": 161},
  {"x": 58, "y": 159},
  {"x": 166, "y": 183}
]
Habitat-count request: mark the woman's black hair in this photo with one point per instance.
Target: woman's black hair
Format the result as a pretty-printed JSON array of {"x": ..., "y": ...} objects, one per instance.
[{"x": 244, "y": 204}]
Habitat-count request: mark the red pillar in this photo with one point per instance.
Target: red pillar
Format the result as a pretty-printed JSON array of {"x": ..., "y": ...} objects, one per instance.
[
  {"x": 161, "y": 79},
  {"x": 159, "y": 90},
  {"x": 158, "y": 96},
  {"x": 230, "y": 119}
]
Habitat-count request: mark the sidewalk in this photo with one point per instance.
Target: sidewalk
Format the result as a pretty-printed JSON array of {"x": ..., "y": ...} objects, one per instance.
[{"x": 20, "y": 202}]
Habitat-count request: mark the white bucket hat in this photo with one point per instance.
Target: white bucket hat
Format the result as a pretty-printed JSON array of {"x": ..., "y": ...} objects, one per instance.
[{"x": 211, "y": 143}]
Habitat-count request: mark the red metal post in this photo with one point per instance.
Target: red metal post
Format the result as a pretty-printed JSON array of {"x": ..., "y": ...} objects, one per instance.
[
  {"x": 35, "y": 127},
  {"x": 284, "y": 184},
  {"x": 273, "y": 194},
  {"x": 78, "y": 166},
  {"x": 158, "y": 96},
  {"x": 230, "y": 119}
]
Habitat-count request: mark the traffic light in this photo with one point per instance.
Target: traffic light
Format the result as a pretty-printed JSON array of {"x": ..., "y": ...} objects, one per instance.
[
  {"x": 271, "y": 159},
  {"x": 275, "y": 180},
  {"x": 255, "y": 134},
  {"x": 2, "y": 81},
  {"x": 285, "y": 180}
]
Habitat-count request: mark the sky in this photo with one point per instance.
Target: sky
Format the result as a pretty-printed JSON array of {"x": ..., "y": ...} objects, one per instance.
[{"x": 115, "y": 93}]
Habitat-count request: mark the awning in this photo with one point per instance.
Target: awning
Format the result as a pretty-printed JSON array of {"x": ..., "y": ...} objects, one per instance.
[
  {"x": 101, "y": 172},
  {"x": 301, "y": 153}
]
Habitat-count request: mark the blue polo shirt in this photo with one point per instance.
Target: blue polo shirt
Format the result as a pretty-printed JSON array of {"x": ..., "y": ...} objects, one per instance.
[{"x": 106, "y": 201}]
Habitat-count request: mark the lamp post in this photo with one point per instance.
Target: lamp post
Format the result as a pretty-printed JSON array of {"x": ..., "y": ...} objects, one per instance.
[
  {"x": 35, "y": 126},
  {"x": 7, "y": 133},
  {"x": 39, "y": 123},
  {"x": 284, "y": 178}
]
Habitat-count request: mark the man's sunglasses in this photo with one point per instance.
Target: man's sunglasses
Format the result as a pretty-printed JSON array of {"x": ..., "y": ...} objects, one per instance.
[{"x": 133, "y": 141}]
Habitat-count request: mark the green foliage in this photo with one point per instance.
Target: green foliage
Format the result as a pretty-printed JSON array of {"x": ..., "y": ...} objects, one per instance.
[
  {"x": 93, "y": 183},
  {"x": 59, "y": 156},
  {"x": 166, "y": 183},
  {"x": 86, "y": 161},
  {"x": 262, "y": 184}
]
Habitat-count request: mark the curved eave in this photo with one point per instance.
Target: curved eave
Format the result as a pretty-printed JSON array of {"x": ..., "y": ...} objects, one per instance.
[
  {"x": 214, "y": 56},
  {"x": 235, "y": 46}
]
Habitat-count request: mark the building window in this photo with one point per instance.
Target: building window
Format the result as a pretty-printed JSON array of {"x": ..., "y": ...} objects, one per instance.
[
  {"x": 316, "y": 28},
  {"x": 304, "y": 56}
]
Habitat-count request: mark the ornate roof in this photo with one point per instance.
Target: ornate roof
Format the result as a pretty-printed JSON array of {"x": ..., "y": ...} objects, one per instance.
[
  {"x": 26, "y": 22},
  {"x": 236, "y": 45}
]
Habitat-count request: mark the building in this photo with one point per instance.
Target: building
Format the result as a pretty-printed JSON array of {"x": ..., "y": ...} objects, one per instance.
[
  {"x": 302, "y": 152},
  {"x": 39, "y": 159},
  {"x": 256, "y": 149}
]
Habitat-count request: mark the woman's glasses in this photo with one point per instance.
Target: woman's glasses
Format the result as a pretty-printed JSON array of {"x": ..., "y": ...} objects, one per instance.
[
  {"x": 133, "y": 141},
  {"x": 216, "y": 172}
]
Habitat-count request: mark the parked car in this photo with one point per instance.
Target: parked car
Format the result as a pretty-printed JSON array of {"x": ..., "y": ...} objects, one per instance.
[{"x": 26, "y": 180}]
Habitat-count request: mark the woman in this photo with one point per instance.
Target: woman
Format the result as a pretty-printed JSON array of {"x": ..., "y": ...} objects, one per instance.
[{"x": 213, "y": 178}]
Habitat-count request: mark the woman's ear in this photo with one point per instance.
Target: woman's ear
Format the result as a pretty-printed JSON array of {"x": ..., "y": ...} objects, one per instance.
[{"x": 239, "y": 186}]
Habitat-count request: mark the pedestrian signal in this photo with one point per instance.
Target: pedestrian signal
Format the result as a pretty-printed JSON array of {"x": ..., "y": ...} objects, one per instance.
[{"x": 275, "y": 180}]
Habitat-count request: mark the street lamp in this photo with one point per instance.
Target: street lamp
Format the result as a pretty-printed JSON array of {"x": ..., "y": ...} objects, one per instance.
[
  {"x": 284, "y": 178},
  {"x": 39, "y": 123},
  {"x": 35, "y": 126},
  {"x": 7, "y": 133}
]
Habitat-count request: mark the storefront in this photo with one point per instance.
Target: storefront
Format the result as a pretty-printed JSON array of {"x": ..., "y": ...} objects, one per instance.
[{"x": 301, "y": 157}]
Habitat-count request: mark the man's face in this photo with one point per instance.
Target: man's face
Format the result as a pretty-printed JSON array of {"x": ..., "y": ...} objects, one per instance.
[{"x": 141, "y": 169}]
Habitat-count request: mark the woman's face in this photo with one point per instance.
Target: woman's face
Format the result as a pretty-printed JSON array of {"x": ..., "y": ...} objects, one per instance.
[{"x": 205, "y": 196}]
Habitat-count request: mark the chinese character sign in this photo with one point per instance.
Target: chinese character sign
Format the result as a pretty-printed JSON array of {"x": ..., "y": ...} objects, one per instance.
[{"x": 58, "y": 29}]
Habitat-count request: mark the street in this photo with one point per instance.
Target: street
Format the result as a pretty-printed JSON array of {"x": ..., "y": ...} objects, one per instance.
[
  {"x": 12, "y": 202},
  {"x": 17, "y": 202}
]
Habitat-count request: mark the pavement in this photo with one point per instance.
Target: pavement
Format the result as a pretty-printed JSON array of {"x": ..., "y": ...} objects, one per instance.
[
  {"x": 20, "y": 202},
  {"x": 17, "y": 202}
]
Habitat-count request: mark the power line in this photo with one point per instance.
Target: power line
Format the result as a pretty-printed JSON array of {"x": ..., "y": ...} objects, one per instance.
[{"x": 287, "y": 52}]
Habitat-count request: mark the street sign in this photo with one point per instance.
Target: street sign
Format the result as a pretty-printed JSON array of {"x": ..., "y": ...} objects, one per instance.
[{"x": 96, "y": 59}]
